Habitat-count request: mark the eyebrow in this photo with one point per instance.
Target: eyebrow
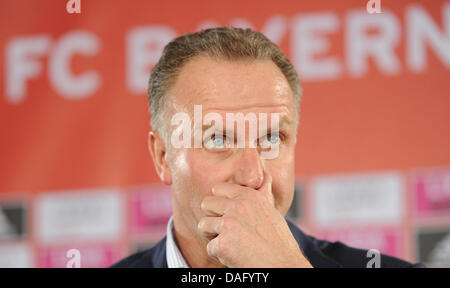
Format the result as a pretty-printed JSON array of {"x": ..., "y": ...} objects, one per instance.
[
  {"x": 283, "y": 122},
  {"x": 247, "y": 107}
]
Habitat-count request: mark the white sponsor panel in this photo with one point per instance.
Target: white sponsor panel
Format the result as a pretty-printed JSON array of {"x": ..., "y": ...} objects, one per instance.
[
  {"x": 79, "y": 215},
  {"x": 358, "y": 199},
  {"x": 15, "y": 256}
]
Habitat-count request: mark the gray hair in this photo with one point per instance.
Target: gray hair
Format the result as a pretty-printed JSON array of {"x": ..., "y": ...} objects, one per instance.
[{"x": 227, "y": 43}]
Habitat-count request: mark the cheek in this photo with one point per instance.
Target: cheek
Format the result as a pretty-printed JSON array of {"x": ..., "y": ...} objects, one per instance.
[
  {"x": 194, "y": 175},
  {"x": 203, "y": 174},
  {"x": 283, "y": 184},
  {"x": 207, "y": 169},
  {"x": 180, "y": 170}
]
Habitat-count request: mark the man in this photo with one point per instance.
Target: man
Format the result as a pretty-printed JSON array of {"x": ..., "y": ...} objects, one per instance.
[{"x": 229, "y": 200}]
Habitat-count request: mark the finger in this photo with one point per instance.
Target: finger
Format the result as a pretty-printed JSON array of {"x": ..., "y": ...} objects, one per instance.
[
  {"x": 215, "y": 205},
  {"x": 227, "y": 190},
  {"x": 212, "y": 248},
  {"x": 266, "y": 188},
  {"x": 210, "y": 227}
]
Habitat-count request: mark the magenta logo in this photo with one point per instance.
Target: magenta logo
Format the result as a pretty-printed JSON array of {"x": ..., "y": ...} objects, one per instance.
[{"x": 432, "y": 192}]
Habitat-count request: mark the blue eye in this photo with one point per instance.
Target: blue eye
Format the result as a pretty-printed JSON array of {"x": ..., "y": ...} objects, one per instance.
[
  {"x": 218, "y": 142},
  {"x": 215, "y": 142},
  {"x": 269, "y": 140},
  {"x": 273, "y": 138}
]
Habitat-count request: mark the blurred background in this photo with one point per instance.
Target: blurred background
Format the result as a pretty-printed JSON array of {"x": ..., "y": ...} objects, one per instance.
[{"x": 373, "y": 152}]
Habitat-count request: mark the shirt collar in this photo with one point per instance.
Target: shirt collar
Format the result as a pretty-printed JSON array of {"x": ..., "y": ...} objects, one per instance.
[{"x": 173, "y": 255}]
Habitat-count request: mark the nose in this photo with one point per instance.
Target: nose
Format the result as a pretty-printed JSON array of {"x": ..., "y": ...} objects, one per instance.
[{"x": 249, "y": 169}]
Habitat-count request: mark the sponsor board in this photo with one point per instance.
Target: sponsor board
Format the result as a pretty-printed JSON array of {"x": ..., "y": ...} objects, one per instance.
[
  {"x": 431, "y": 190},
  {"x": 64, "y": 216},
  {"x": 387, "y": 240},
  {"x": 357, "y": 199},
  {"x": 89, "y": 255},
  {"x": 17, "y": 255},
  {"x": 13, "y": 220},
  {"x": 150, "y": 208},
  {"x": 433, "y": 246}
]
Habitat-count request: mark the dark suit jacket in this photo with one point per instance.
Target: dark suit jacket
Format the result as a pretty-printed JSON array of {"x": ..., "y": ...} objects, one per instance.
[{"x": 321, "y": 254}]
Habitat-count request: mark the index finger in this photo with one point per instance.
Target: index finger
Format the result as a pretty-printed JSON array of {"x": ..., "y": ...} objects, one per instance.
[{"x": 227, "y": 190}]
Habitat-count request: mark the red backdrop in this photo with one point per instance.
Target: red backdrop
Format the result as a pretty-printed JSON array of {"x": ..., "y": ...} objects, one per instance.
[{"x": 73, "y": 108}]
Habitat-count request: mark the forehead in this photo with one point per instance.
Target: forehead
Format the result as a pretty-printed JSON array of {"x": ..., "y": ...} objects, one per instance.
[{"x": 222, "y": 86}]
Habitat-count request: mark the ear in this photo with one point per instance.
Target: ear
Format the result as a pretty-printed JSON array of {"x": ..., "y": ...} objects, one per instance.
[{"x": 158, "y": 151}]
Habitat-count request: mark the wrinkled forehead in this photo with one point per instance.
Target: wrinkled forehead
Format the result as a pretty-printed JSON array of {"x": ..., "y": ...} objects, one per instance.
[{"x": 231, "y": 86}]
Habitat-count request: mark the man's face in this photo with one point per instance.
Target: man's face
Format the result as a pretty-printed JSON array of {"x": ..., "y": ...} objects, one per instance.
[{"x": 230, "y": 87}]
